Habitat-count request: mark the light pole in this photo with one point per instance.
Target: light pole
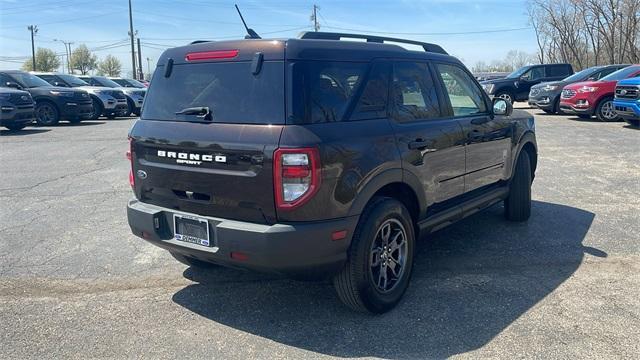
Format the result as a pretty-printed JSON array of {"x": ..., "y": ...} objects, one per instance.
[{"x": 67, "y": 51}]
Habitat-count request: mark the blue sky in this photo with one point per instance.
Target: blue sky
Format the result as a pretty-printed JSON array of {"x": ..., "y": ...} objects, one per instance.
[{"x": 103, "y": 25}]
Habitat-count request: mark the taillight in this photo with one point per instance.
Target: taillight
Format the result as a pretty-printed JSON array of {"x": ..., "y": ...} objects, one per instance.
[
  {"x": 211, "y": 55},
  {"x": 130, "y": 157},
  {"x": 296, "y": 176}
]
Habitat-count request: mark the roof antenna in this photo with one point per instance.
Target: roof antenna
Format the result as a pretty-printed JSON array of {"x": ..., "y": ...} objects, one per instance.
[{"x": 251, "y": 34}]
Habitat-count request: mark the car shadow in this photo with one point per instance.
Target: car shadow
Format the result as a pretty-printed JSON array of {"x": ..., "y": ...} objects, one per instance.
[
  {"x": 23, "y": 132},
  {"x": 629, "y": 126},
  {"x": 80, "y": 124},
  {"x": 470, "y": 281}
]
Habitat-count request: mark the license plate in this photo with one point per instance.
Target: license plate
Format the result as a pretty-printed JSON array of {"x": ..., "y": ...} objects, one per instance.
[{"x": 191, "y": 229}]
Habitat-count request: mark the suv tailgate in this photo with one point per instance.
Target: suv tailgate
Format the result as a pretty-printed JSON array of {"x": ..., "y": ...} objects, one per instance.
[{"x": 221, "y": 170}]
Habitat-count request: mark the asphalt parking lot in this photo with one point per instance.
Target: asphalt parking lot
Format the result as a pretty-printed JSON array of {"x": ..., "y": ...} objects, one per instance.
[{"x": 75, "y": 283}]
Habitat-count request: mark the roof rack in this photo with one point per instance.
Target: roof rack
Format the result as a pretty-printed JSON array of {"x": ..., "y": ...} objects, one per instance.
[{"x": 371, "y": 38}]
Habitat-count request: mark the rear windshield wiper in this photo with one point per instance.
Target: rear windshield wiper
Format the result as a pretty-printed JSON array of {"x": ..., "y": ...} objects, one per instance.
[{"x": 200, "y": 111}]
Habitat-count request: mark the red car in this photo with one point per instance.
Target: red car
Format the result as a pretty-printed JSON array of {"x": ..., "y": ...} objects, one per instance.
[{"x": 589, "y": 98}]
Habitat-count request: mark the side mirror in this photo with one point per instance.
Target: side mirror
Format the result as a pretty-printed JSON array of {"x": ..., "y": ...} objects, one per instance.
[
  {"x": 14, "y": 85},
  {"x": 502, "y": 107}
]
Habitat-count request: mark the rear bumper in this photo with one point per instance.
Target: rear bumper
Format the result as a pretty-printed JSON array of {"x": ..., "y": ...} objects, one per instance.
[
  {"x": 628, "y": 110},
  {"x": 297, "y": 249}
]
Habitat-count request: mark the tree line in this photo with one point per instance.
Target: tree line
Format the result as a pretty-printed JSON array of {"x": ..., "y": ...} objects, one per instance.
[
  {"x": 81, "y": 60},
  {"x": 585, "y": 33}
]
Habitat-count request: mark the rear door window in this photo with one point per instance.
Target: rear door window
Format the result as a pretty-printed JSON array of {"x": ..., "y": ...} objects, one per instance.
[
  {"x": 322, "y": 91},
  {"x": 414, "y": 95},
  {"x": 230, "y": 90}
]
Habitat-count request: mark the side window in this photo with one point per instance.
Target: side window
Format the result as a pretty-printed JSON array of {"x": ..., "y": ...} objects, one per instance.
[
  {"x": 464, "y": 95},
  {"x": 535, "y": 73},
  {"x": 373, "y": 101},
  {"x": 602, "y": 73},
  {"x": 414, "y": 93},
  {"x": 557, "y": 71},
  {"x": 324, "y": 89},
  {"x": 48, "y": 78}
]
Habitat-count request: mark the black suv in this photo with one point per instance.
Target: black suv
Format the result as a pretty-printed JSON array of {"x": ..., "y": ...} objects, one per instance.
[
  {"x": 324, "y": 160},
  {"x": 546, "y": 96},
  {"x": 16, "y": 108},
  {"x": 52, "y": 102},
  {"x": 516, "y": 86}
]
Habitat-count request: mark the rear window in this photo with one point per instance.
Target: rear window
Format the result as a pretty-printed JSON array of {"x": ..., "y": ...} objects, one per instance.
[
  {"x": 621, "y": 74},
  {"x": 230, "y": 90}
]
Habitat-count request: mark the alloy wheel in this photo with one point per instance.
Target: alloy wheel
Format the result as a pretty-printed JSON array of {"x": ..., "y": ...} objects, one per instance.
[
  {"x": 608, "y": 111},
  {"x": 388, "y": 256}
]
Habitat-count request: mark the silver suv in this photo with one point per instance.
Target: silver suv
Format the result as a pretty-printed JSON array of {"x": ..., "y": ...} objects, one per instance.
[
  {"x": 107, "y": 102},
  {"x": 135, "y": 96}
]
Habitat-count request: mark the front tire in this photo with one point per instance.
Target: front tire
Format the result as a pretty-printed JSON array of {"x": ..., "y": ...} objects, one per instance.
[
  {"x": 606, "y": 111},
  {"x": 506, "y": 96},
  {"x": 47, "y": 114},
  {"x": 517, "y": 206},
  {"x": 380, "y": 258},
  {"x": 97, "y": 109}
]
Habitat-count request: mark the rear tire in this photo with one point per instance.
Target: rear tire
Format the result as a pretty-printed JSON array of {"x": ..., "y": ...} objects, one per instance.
[
  {"x": 189, "y": 261},
  {"x": 517, "y": 206},
  {"x": 380, "y": 258}
]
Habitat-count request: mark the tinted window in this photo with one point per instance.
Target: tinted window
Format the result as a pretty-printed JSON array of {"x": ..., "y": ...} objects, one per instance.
[
  {"x": 230, "y": 91},
  {"x": 72, "y": 80},
  {"x": 581, "y": 75},
  {"x": 4, "y": 79},
  {"x": 48, "y": 78},
  {"x": 622, "y": 73},
  {"x": 535, "y": 73},
  {"x": 605, "y": 72},
  {"x": 557, "y": 70},
  {"x": 323, "y": 90},
  {"x": 414, "y": 95},
  {"x": 464, "y": 95},
  {"x": 373, "y": 101},
  {"x": 122, "y": 82},
  {"x": 28, "y": 80},
  {"x": 106, "y": 82}
]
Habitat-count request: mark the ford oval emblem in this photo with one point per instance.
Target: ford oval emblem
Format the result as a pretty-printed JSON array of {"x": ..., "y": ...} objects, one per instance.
[{"x": 142, "y": 174}]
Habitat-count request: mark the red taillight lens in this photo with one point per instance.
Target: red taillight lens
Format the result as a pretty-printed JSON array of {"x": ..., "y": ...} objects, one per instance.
[
  {"x": 296, "y": 174},
  {"x": 132, "y": 180},
  {"x": 211, "y": 55}
]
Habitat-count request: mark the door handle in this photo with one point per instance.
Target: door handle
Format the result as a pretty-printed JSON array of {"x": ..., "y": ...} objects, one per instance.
[
  {"x": 419, "y": 144},
  {"x": 475, "y": 135}
]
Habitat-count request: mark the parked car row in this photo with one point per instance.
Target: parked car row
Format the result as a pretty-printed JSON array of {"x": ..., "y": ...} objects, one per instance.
[
  {"x": 47, "y": 98},
  {"x": 555, "y": 89}
]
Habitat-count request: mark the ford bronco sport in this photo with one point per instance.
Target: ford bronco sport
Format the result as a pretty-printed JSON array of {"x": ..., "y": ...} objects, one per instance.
[{"x": 319, "y": 157}]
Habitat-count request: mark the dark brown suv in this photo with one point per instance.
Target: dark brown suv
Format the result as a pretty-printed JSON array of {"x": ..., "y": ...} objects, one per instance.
[{"x": 318, "y": 157}]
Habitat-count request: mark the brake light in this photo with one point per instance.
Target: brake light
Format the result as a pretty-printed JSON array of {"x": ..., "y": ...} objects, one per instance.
[
  {"x": 211, "y": 55},
  {"x": 130, "y": 157},
  {"x": 296, "y": 174}
]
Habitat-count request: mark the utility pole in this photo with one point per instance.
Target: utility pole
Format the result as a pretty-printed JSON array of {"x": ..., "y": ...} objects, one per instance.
[
  {"x": 69, "y": 58},
  {"x": 314, "y": 17},
  {"x": 133, "y": 51},
  {"x": 148, "y": 68},
  {"x": 34, "y": 30},
  {"x": 140, "y": 73}
]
